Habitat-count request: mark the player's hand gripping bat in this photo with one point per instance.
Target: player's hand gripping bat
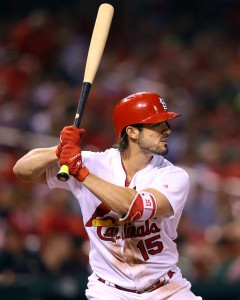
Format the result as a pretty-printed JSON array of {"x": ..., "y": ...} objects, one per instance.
[{"x": 97, "y": 44}]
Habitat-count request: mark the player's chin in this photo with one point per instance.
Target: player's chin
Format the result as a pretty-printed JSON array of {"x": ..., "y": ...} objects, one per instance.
[
  {"x": 162, "y": 151},
  {"x": 165, "y": 150}
]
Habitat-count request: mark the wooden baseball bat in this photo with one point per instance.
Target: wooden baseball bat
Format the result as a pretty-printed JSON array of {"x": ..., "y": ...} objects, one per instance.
[{"x": 97, "y": 44}]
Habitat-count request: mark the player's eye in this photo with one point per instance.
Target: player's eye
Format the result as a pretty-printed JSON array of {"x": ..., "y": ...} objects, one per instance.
[{"x": 157, "y": 124}]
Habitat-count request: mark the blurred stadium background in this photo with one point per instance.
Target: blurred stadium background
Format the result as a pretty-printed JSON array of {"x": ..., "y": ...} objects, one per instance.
[{"x": 189, "y": 52}]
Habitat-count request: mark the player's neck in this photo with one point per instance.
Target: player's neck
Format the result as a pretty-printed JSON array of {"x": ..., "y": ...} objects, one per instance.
[{"x": 134, "y": 162}]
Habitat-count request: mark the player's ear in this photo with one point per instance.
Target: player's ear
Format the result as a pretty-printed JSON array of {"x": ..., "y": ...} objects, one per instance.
[{"x": 132, "y": 132}]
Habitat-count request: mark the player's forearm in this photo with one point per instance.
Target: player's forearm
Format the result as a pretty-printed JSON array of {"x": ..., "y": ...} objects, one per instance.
[
  {"x": 115, "y": 197},
  {"x": 32, "y": 166}
]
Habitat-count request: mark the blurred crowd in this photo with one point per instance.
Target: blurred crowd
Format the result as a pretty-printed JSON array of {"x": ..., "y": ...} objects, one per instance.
[{"x": 188, "y": 53}]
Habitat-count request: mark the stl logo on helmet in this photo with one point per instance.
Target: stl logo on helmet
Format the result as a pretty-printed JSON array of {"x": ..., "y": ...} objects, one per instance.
[{"x": 164, "y": 105}]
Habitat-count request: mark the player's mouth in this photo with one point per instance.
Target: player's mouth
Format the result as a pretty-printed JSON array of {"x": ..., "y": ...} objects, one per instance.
[{"x": 163, "y": 140}]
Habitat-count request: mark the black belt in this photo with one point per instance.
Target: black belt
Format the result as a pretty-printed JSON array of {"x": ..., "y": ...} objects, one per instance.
[{"x": 161, "y": 282}]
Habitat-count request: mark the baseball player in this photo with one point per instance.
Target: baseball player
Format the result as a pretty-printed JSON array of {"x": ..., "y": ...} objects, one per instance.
[{"x": 131, "y": 200}]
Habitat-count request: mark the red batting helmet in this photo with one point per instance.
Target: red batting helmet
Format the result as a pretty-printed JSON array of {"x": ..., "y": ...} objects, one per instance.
[{"x": 140, "y": 108}]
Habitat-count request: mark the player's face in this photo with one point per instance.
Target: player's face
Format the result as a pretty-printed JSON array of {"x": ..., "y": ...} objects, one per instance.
[{"x": 153, "y": 138}]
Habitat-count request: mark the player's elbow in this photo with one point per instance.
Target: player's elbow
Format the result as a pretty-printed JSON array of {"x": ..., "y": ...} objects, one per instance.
[
  {"x": 18, "y": 171},
  {"x": 21, "y": 172}
]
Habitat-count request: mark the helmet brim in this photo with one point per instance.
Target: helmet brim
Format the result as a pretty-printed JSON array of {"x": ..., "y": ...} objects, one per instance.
[{"x": 161, "y": 118}]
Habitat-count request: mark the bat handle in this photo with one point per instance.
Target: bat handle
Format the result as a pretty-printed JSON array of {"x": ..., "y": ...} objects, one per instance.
[{"x": 63, "y": 174}]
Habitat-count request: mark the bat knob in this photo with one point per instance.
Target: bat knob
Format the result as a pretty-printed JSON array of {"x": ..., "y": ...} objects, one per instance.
[{"x": 63, "y": 174}]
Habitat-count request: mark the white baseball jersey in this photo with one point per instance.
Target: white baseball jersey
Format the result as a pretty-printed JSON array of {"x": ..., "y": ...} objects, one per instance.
[{"x": 131, "y": 255}]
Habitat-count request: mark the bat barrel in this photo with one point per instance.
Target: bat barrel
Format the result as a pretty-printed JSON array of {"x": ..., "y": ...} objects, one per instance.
[{"x": 97, "y": 44}]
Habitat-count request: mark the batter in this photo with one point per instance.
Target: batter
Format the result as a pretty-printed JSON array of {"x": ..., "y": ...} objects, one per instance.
[{"x": 131, "y": 200}]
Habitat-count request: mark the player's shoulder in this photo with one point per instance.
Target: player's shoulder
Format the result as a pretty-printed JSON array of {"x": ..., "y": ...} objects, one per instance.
[
  {"x": 108, "y": 154},
  {"x": 168, "y": 167}
]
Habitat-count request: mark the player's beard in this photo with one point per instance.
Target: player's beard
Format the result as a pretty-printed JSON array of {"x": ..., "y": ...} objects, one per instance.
[{"x": 158, "y": 149}]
